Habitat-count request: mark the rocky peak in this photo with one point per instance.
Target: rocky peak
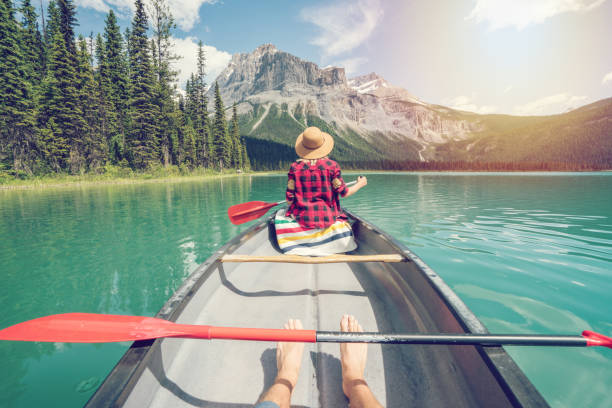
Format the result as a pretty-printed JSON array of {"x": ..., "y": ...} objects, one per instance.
[
  {"x": 264, "y": 49},
  {"x": 269, "y": 69},
  {"x": 333, "y": 76}
]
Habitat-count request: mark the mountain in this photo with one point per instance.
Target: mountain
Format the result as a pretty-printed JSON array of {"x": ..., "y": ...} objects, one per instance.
[{"x": 374, "y": 122}]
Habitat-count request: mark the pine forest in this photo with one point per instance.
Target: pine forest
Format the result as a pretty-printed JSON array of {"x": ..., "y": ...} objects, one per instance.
[{"x": 83, "y": 105}]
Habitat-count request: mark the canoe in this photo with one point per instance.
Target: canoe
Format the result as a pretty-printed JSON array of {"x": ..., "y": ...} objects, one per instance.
[{"x": 384, "y": 295}]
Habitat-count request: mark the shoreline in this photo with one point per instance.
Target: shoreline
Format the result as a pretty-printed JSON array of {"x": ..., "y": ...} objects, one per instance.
[
  {"x": 90, "y": 180},
  {"x": 83, "y": 181}
]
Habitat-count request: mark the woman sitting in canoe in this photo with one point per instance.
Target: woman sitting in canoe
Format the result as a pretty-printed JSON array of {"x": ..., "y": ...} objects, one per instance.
[{"x": 314, "y": 223}]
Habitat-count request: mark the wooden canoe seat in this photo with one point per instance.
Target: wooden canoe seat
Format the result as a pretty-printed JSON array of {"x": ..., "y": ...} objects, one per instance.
[{"x": 339, "y": 258}]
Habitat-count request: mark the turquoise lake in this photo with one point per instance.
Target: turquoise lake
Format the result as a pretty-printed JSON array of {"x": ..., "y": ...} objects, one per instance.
[{"x": 527, "y": 252}]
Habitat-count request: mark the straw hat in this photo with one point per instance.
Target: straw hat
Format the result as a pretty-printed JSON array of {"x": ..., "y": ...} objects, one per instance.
[{"x": 313, "y": 144}]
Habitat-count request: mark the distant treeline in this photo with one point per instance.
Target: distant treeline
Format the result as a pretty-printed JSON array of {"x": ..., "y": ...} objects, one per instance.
[
  {"x": 75, "y": 105},
  {"x": 268, "y": 155},
  {"x": 472, "y": 166}
]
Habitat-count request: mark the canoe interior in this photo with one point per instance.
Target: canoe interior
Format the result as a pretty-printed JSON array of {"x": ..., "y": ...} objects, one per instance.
[{"x": 385, "y": 297}]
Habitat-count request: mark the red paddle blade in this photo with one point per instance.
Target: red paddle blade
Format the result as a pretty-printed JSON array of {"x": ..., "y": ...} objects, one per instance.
[
  {"x": 102, "y": 328},
  {"x": 241, "y": 213},
  {"x": 97, "y": 328}
]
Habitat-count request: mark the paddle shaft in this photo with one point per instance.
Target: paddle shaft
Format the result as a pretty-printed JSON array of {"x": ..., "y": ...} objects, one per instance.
[
  {"x": 311, "y": 336},
  {"x": 452, "y": 339}
]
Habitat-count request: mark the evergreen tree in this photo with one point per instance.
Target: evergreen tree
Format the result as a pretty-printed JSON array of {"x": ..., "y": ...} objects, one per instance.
[
  {"x": 32, "y": 44},
  {"x": 189, "y": 145},
  {"x": 17, "y": 135},
  {"x": 163, "y": 56},
  {"x": 206, "y": 151},
  {"x": 235, "y": 139},
  {"x": 49, "y": 30},
  {"x": 210, "y": 143},
  {"x": 61, "y": 116},
  {"x": 179, "y": 154},
  {"x": 101, "y": 72},
  {"x": 186, "y": 153},
  {"x": 165, "y": 76},
  {"x": 222, "y": 143},
  {"x": 67, "y": 12},
  {"x": 127, "y": 35},
  {"x": 42, "y": 18},
  {"x": 246, "y": 163},
  {"x": 109, "y": 123},
  {"x": 53, "y": 21},
  {"x": 115, "y": 71},
  {"x": 91, "y": 43},
  {"x": 141, "y": 141},
  {"x": 189, "y": 107},
  {"x": 94, "y": 146}
]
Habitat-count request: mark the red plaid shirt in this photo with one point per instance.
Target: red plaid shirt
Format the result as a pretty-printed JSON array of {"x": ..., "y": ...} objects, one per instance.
[{"x": 313, "y": 192}]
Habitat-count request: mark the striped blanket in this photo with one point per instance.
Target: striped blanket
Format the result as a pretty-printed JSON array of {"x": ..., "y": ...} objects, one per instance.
[{"x": 294, "y": 239}]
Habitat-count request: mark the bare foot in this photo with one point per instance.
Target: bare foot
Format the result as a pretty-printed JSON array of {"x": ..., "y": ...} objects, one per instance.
[
  {"x": 289, "y": 356},
  {"x": 352, "y": 355}
]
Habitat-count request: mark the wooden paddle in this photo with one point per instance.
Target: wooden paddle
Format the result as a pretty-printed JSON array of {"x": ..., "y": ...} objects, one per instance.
[
  {"x": 245, "y": 212},
  {"x": 102, "y": 328}
]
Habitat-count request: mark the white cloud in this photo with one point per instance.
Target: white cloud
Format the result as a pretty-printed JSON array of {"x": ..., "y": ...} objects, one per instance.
[
  {"x": 350, "y": 65},
  {"x": 185, "y": 12},
  {"x": 98, "y": 5},
  {"x": 607, "y": 78},
  {"x": 521, "y": 13},
  {"x": 550, "y": 105},
  {"x": 508, "y": 89},
  {"x": 466, "y": 103},
  {"x": 343, "y": 26},
  {"x": 187, "y": 48}
]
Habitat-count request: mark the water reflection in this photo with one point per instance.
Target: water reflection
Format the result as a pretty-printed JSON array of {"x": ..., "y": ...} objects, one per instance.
[
  {"x": 111, "y": 249},
  {"x": 527, "y": 253}
]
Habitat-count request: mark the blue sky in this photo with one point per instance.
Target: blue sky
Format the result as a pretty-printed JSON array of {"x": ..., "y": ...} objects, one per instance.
[{"x": 489, "y": 56}]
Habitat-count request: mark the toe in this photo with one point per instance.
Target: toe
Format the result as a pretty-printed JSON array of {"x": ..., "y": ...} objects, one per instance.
[
  {"x": 351, "y": 323},
  {"x": 344, "y": 323}
]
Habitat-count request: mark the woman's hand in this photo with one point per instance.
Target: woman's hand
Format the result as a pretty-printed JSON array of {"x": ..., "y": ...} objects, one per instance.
[{"x": 362, "y": 181}]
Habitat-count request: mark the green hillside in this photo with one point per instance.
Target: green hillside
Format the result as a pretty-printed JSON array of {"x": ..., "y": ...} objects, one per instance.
[{"x": 581, "y": 137}]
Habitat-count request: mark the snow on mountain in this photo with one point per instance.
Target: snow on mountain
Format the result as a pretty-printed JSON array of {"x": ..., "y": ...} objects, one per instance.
[
  {"x": 376, "y": 85},
  {"x": 367, "y": 83}
]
